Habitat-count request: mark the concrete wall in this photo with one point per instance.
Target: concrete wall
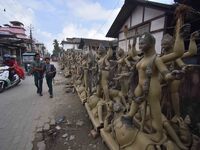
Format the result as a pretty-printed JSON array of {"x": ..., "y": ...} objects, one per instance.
[
  {"x": 137, "y": 16},
  {"x": 157, "y": 24},
  {"x": 151, "y": 13}
]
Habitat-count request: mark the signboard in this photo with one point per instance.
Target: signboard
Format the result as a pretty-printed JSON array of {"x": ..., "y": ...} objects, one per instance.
[{"x": 28, "y": 59}]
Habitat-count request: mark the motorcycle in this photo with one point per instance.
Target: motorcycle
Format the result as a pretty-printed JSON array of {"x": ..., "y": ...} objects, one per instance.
[
  {"x": 28, "y": 69},
  {"x": 5, "y": 82}
]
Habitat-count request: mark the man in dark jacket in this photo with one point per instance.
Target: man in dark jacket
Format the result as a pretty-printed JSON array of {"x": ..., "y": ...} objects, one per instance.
[{"x": 50, "y": 71}]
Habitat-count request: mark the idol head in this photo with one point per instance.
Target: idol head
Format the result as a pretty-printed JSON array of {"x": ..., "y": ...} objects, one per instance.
[
  {"x": 146, "y": 42},
  {"x": 167, "y": 42}
]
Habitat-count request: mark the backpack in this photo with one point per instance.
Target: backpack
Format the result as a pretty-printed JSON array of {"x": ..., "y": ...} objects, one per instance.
[
  {"x": 53, "y": 69},
  {"x": 52, "y": 75}
]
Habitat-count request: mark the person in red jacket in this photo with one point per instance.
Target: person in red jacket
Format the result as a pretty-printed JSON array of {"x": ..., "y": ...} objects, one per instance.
[{"x": 15, "y": 68}]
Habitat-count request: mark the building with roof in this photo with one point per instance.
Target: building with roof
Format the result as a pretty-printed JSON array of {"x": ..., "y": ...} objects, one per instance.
[
  {"x": 41, "y": 49},
  {"x": 137, "y": 17},
  {"x": 13, "y": 39},
  {"x": 83, "y": 43},
  {"x": 15, "y": 28},
  {"x": 71, "y": 43}
]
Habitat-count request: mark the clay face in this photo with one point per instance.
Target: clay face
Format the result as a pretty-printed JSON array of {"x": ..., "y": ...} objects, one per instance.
[
  {"x": 101, "y": 50},
  {"x": 167, "y": 42},
  {"x": 143, "y": 45},
  {"x": 120, "y": 53},
  {"x": 147, "y": 41}
]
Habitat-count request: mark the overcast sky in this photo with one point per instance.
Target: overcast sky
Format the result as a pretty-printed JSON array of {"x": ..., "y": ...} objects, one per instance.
[{"x": 58, "y": 19}]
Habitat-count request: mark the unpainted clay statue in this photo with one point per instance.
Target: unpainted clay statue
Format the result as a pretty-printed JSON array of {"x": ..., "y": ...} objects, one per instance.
[
  {"x": 115, "y": 108},
  {"x": 86, "y": 74},
  {"x": 129, "y": 137},
  {"x": 172, "y": 132},
  {"x": 102, "y": 84},
  {"x": 98, "y": 105},
  {"x": 103, "y": 73},
  {"x": 131, "y": 61},
  {"x": 167, "y": 47},
  {"x": 149, "y": 88},
  {"x": 123, "y": 72},
  {"x": 137, "y": 124},
  {"x": 132, "y": 57}
]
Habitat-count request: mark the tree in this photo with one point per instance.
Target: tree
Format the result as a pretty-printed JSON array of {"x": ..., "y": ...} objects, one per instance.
[{"x": 56, "y": 49}]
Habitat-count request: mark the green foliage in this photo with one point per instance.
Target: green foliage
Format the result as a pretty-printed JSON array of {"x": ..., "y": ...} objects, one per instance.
[{"x": 56, "y": 49}]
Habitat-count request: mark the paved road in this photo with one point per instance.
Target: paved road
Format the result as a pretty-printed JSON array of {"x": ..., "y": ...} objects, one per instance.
[{"x": 21, "y": 111}]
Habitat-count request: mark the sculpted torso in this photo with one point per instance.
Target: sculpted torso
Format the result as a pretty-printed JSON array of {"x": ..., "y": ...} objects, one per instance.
[
  {"x": 101, "y": 63},
  {"x": 141, "y": 67}
]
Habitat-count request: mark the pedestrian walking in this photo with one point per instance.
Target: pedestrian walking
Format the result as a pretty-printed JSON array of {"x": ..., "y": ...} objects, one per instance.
[
  {"x": 50, "y": 72},
  {"x": 37, "y": 70}
]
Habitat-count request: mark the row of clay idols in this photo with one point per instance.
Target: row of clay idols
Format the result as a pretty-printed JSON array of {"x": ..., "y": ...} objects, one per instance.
[{"x": 125, "y": 94}]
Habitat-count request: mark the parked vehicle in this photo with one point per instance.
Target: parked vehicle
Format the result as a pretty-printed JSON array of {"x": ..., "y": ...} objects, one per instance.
[
  {"x": 5, "y": 82},
  {"x": 28, "y": 59}
]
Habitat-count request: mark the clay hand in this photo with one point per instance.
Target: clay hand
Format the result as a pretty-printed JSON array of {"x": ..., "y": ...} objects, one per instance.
[
  {"x": 127, "y": 74},
  {"x": 113, "y": 60},
  {"x": 177, "y": 74},
  {"x": 117, "y": 78},
  {"x": 195, "y": 35},
  {"x": 129, "y": 65},
  {"x": 124, "y": 75},
  {"x": 140, "y": 99},
  {"x": 185, "y": 30},
  {"x": 107, "y": 67},
  {"x": 187, "y": 68}
]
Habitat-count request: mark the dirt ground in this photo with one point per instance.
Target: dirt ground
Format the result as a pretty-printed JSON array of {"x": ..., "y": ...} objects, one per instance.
[{"x": 72, "y": 128}]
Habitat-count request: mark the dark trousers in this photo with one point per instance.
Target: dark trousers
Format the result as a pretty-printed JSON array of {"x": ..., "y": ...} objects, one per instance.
[
  {"x": 11, "y": 74},
  {"x": 49, "y": 84},
  {"x": 38, "y": 83}
]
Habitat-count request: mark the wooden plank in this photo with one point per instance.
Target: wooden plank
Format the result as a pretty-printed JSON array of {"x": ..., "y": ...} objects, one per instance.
[
  {"x": 95, "y": 121},
  {"x": 79, "y": 95},
  {"x": 109, "y": 140}
]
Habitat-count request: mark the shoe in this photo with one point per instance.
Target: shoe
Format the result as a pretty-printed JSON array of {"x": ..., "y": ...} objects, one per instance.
[
  {"x": 51, "y": 96},
  {"x": 41, "y": 94}
]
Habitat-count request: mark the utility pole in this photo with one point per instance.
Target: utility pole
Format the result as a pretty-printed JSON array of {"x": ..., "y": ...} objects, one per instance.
[{"x": 31, "y": 37}]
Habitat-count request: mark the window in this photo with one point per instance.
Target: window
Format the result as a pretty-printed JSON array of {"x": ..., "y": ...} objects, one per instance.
[
  {"x": 142, "y": 29},
  {"x": 139, "y": 30}
]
